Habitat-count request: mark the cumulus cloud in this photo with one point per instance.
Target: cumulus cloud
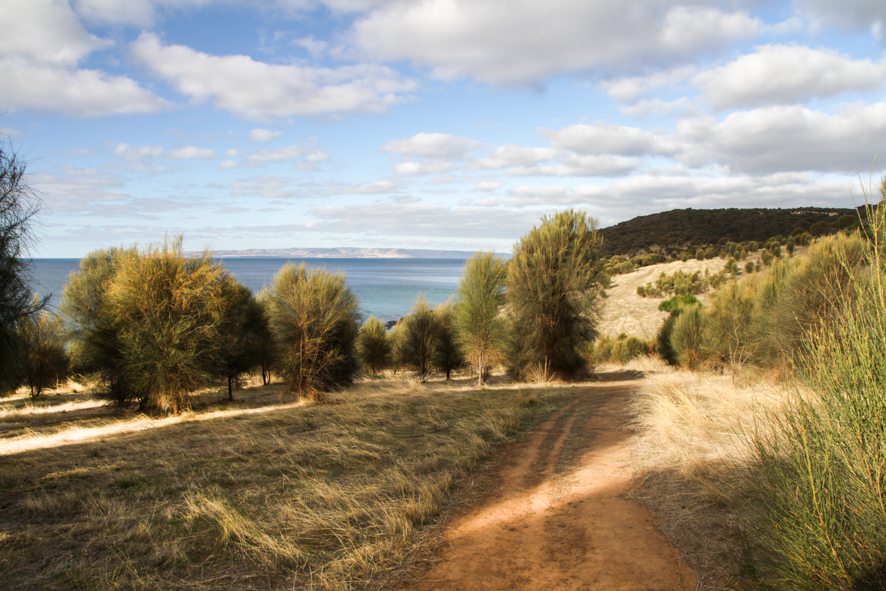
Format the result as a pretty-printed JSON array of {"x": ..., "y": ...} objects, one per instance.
[
  {"x": 128, "y": 152},
  {"x": 859, "y": 14},
  {"x": 440, "y": 146},
  {"x": 40, "y": 48},
  {"x": 788, "y": 138},
  {"x": 264, "y": 135},
  {"x": 526, "y": 42},
  {"x": 783, "y": 74},
  {"x": 633, "y": 87},
  {"x": 260, "y": 91}
]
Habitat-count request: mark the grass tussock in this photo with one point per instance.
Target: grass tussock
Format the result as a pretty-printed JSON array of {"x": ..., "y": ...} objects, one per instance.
[{"x": 333, "y": 496}]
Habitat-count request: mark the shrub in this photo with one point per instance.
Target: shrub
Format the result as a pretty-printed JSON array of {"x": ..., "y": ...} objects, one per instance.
[
  {"x": 618, "y": 350},
  {"x": 244, "y": 333},
  {"x": 728, "y": 333},
  {"x": 478, "y": 321},
  {"x": 555, "y": 282},
  {"x": 817, "y": 520},
  {"x": 417, "y": 339},
  {"x": 373, "y": 345},
  {"x": 313, "y": 317},
  {"x": 447, "y": 354},
  {"x": 677, "y": 302},
  {"x": 686, "y": 337},
  {"x": 45, "y": 361},
  {"x": 168, "y": 311}
]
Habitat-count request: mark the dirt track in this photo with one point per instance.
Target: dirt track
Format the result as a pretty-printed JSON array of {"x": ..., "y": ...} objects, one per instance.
[{"x": 556, "y": 520}]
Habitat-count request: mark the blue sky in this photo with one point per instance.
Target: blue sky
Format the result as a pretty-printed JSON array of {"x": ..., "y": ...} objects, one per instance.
[{"x": 448, "y": 124}]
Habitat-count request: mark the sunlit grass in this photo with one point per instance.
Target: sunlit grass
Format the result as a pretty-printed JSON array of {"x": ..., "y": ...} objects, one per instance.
[{"x": 262, "y": 494}]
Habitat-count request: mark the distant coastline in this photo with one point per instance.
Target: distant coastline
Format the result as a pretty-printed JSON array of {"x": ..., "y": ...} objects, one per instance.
[{"x": 341, "y": 253}]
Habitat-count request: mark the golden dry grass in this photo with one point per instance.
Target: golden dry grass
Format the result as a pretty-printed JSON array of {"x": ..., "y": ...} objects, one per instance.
[
  {"x": 692, "y": 449},
  {"x": 626, "y": 312},
  {"x": 262, "y": 494}
]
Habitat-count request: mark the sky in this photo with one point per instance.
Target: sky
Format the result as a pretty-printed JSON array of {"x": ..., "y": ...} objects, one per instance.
[{"x": 444, "y": 124}]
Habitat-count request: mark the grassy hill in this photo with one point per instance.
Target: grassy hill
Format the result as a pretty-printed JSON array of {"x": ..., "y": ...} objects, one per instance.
[{"x": 685, "y": 228}]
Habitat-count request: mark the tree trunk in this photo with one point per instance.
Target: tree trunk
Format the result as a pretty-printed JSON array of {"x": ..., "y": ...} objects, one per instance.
[{"x": 230, "y": 388}]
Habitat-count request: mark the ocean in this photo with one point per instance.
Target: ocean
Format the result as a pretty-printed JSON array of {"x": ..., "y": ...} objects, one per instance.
[{"x": 386, "y": 288}]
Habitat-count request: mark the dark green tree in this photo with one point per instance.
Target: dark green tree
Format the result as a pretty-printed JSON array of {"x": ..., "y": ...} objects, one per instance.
[
  {"x": 479, "y": 323},
  {"x": 373, "y": 345},
  {"x": 313, "y": 317},
  {"x": 447, "y": 354},
  {"x": 244, "y": 332},
  {"x": 555, "y": 282},
  {"x": 18, "y": 206},
  {"x": 417, "y": 340}
]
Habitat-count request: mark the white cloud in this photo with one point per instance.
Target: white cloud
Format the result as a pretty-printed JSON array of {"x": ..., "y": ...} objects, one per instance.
[
  {"x": 604, "y": 139},
  {"x": 488, "y": 186},
  {"x": 659, "y": 107},
  {"x": 511, "y": 155},
  {"x": 859, "y": 14},
  {"x": 789, "y": 138},
  {"x": 581, "y": 165},
  {"x": 526, "y": 41},
  {"x": 440, "y": 146},
  {"x": 280, "y": 155},
  {"x": 44, "y": 31},
  {"x": 411, "y": 168},
  {"x": 264, "y": 135},
  {"x": 786, "y": 74},
  {"x": 227, "y": 164},
  {"x": 633, "y": 87},
  {"x": 128, "y": 152},
  {"x": 262, "y": 91}
]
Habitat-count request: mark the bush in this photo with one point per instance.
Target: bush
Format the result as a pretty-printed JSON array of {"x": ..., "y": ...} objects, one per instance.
[
  {"x": 728, "y": 329},
  {"x": 373, "y": 345},
  {"x": 313, "y": 317},
  {"x": 686, "y": 337},
  {"x": 817, "y": 521},
  {"x": 618, "y": 350},
  {"x": 244, "y": 333},
  {"x": 555, "y": 283},
  {"x": 417, "y": 340},
  {"x": 479, "y": 324},
  {"x": 45, "y": 361},
  {"x": 447, "y": 352},
  {"x": 168, "y": 311}
]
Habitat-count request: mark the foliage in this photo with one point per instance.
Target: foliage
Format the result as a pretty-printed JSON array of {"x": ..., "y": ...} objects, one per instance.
[
  {"x": 618, "y": 350},
  {"x": 677, "y": 302},
  {"x": 479, "y": 323},
  {"x": 169, "y": 311},
  {"x": 243, "y": 333},
  {"x": 447, "y": 354},
  {"x": 18, "y": 206},
  {"x": 686, "y": 338},
  {"x": 266, "y": 348},
  {"x": 373, "y": 345},
  {"x": 45, "y": 361},
  {"x": 313, "y": 317},
  {"x": 94, "y": 331},
  {"x": 417, "y": 341},
  {"x": 817, "y": 520},
  {"x": 555, "y": 280},
  {"x": 728, "y": 329}
]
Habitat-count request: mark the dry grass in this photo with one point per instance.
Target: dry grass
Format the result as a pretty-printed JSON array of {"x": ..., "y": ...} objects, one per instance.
[
  {"x": 259, "y": 495},
  {"x": 692, "y": 448},
  {"x": 626, "y": 312}
]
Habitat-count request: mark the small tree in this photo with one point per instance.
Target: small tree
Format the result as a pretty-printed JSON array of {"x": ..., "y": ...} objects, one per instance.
[
  {"x": 243, "y": 333},
  {"x": 43, "y": 345},
  {"x": 479, "y": 324},
  {"x": 417, "y": 340},
  {"x": 555, "y": 281},
  {"x": 94, "y": 331},
  {"x": 313, "y": 317},
  {"x": 18, "y": 206},
  {"x": 373, "y": 345},
  {"x": 169, "y": 310},
  {"x": 266, "y": 347},
  {"x": 447, "y": 353},
  {"x": 686, "y": 336}
]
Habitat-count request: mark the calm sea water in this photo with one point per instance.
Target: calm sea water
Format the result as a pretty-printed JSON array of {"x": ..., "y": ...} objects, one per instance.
[{"x": 386, "y": 288}]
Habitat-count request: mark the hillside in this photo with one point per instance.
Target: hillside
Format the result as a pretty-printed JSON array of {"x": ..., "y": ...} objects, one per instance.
[{"x": 681, "y": 228}]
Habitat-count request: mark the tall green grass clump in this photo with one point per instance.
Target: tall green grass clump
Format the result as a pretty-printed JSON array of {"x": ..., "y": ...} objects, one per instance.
[
  {"x": 819, "y": 519},
  {"x": 313, "y": 316}
]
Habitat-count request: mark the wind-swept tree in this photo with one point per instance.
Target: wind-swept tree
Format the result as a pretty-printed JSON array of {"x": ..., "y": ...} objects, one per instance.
[
  {"x": 478, "y": 321},
  {"x": 555, "y": 282},
  {"x": 373, "y": 345},
  {"x": 244, "y": 332},
  {"x": 170, "y": 311},
  {"x": 45, "y": 361},
  {"x": 93, "y": 329},
  {"x": 18, "y": 206},
  {"x": 416, "y": 342},
  {"x": 447, "y": 354},
  {"x": 313, "y": 317}
]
